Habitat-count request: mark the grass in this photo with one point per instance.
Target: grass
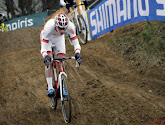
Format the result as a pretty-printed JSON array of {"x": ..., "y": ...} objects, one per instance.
[{"x": 143, "y": 43}]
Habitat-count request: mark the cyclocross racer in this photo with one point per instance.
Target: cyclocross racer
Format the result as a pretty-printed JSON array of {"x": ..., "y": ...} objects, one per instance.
[
  {"x": 53, "y": 34},
  {"x": 71, "y": 2},
  {"x": 2, "y": 18}
]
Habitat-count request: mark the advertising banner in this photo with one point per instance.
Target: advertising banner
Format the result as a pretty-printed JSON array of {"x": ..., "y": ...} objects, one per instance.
[
  {"x": 111, "y": 14},
  {"x": 27, "y": 21}
]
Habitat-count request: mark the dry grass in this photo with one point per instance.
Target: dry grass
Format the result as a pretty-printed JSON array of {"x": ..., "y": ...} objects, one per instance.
[{"x": 142, "y": 43}]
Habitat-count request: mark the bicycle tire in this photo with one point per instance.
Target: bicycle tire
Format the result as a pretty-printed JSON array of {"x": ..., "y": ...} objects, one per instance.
[
  {"x": 66, "y": 102},
  {"x": 82, "y": 29}
]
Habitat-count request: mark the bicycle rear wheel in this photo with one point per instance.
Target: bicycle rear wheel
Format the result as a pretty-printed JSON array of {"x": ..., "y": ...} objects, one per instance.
[
  {"x": 66, "y": 102},
  {"x": 82, "y": 29}
]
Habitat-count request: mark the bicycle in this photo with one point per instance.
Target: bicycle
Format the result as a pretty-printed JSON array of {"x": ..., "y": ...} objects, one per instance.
[
  {"x": 79, "y": 22},
  {"x": 60, "y": 86},
  {"x": 3, "y": 28}
]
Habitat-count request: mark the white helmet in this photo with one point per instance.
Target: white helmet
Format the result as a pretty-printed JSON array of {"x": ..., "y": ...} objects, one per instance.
[{"x": 61, "y": 21}]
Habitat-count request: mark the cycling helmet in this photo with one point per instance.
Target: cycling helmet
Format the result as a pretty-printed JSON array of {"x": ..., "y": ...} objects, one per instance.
[{"x": 61, "y": 21}]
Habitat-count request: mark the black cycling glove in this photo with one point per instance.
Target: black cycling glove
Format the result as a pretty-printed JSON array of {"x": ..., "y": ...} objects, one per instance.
[
  {"x": 47, "y": 60},
  {"x": 78, "y": 58}
]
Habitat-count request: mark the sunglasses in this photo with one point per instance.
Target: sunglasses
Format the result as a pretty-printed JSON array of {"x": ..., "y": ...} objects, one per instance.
[{"x": 61, "y": 28}]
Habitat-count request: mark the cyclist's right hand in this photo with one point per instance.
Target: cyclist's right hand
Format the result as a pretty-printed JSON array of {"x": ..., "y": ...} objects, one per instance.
[
  {"x": 62, "y": 3},
  {"x": 47, "y": 60},
  {"x": 78, "y": 58}
]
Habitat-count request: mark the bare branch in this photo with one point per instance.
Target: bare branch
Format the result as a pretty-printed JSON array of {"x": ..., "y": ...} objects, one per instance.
[{"x": 2, "y": 7}]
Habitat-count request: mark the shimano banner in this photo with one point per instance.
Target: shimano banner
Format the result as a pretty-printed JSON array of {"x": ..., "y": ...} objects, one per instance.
[
  {"x": 27, "y": 21},
  {"x": 111, "y": 14}
]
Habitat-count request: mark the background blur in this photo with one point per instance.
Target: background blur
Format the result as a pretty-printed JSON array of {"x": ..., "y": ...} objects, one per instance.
[{"x": 17, "y": 8}]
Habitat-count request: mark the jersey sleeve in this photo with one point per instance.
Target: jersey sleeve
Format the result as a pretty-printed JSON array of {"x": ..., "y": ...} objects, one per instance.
[
  {"x": 46, "y": 31},
  {"x": 72, "y": 33}
]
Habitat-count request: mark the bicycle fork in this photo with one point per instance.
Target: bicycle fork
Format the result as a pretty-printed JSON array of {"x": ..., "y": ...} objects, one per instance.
[
  {"x": 60, "y": 84},
  {"x": 55, "y": 76},
  {"x": 58, "y": 80}
]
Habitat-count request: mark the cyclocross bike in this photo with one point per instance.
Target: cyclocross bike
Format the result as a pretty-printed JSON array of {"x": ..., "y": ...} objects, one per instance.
[
  {"x": 61, "y": 87},
  {"x": 79, "y": 22}
]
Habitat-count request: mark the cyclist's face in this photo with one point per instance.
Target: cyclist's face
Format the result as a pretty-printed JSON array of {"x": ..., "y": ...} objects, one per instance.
[{"x": 60, "y": 31}]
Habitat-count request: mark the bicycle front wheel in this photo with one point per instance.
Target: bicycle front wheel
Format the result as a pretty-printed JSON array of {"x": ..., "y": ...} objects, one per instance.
[
  {"x": 66, "y": 99},
  {"x": 82, "y": 29}
]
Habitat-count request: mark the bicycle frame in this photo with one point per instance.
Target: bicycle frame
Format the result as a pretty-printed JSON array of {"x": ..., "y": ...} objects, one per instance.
[
  {"x": 75, "y": 12},
  {"x": 80, "y": 24},
  {"x": 61, "y": 71},
  {"x": 60, "y": 84}
]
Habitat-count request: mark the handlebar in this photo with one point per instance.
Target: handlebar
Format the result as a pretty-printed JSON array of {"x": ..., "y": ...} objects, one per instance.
[
  {"x": 75, "y": 5},
  {"x": 63, "y": 59},
  {"x": 66, "y": 58}
]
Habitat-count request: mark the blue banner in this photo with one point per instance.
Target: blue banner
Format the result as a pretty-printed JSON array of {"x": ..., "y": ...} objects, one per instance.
[
  {"x": 111, "y": 14},
  {"x": 27, "y": 21}
]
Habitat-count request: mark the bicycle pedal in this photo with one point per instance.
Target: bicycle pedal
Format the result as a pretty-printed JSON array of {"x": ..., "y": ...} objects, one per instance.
[
  {"x": 51, "y": 95},
  {"x": 54, "y": 87}
]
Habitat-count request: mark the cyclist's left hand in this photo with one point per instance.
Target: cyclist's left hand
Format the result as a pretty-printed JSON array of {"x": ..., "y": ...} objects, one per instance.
[
  {"x": 62, "y": 3},
  {"x": 78, "y": 58},
  {"x": 47, "y": 60}
]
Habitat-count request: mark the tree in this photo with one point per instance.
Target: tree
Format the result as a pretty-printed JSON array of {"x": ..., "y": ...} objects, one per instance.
[
  {"x": 25, "y": 7},
  {"x": 50, "y": 4},
  {"x": 10, "y": 8},
  {"x": 15, "y": 8}
]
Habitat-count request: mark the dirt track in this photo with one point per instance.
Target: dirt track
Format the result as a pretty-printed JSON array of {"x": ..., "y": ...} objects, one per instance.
[{"x": 105, "y": 90}]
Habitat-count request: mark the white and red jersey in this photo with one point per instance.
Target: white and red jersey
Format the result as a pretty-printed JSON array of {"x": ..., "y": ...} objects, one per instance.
[{"x": 50, "y": 36}]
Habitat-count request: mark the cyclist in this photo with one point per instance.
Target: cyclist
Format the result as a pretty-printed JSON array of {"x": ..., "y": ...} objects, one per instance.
[
  {"x": 71, "y": 2},
  {"x": 2, "y": 18},
  {"x": 53, "y": 34}
]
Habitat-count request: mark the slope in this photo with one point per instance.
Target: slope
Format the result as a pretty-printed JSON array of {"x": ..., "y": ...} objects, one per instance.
[{"x": 107, "y": 89}]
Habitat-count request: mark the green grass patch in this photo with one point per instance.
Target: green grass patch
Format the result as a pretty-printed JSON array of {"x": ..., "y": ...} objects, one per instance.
[{"x": 142, "y": 42}]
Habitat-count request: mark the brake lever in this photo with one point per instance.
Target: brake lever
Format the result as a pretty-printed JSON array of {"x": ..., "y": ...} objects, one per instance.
[{"x": 77, "y": 64}]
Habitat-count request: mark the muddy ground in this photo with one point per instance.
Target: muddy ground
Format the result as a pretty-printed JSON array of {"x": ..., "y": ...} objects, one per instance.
[{"x": 106, "y": 89}]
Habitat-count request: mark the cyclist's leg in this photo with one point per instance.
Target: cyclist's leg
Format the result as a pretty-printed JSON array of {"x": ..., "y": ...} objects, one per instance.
[
  {"x": 3, "y": 27},
  {"x": 46, "y": 48},
  {"x": 49, "y": 72},
  {"x": 86, "y": 4},
  {"x": 66, "y": 10}
]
